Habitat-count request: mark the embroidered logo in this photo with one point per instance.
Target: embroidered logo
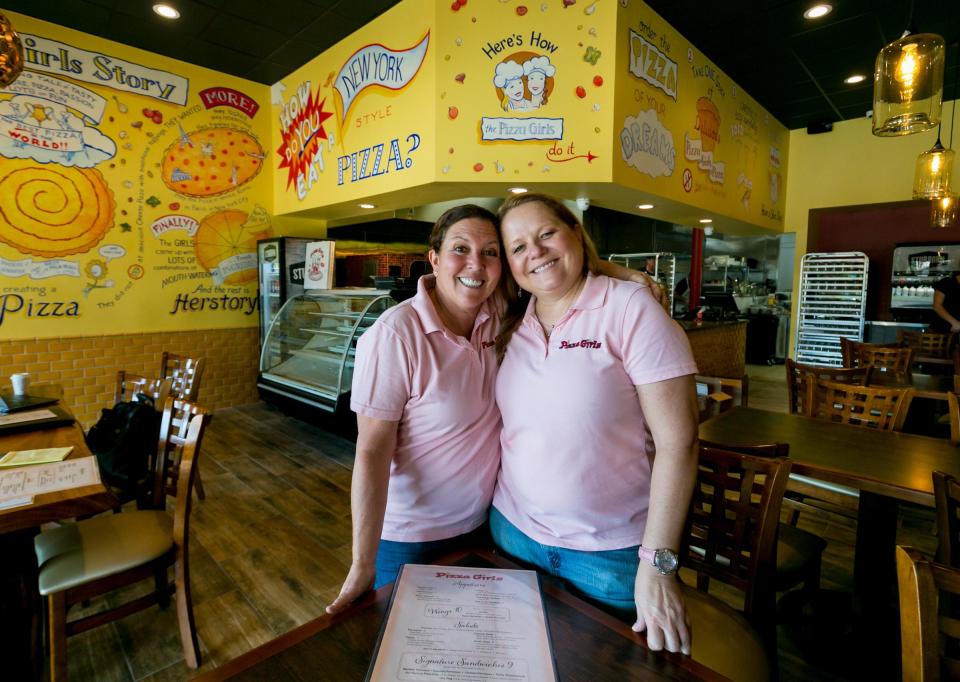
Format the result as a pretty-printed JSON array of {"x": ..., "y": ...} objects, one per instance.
[
  {"x": 487, "y": 344},
  {"x": 584, "y": 343}
]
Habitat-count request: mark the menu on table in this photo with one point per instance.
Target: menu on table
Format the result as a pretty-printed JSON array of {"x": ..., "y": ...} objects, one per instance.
[
  {"x": 37, "y": 479},
  {"x": 459, "y": 624}
]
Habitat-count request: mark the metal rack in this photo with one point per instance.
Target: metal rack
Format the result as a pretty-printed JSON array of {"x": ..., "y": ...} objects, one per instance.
[
  {"x": 833, "y": 295},
  {"x": 664, "y": 270}
]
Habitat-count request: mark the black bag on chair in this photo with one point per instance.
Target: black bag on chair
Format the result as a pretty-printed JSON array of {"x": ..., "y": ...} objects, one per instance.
[{"x": 124, "y": 441}]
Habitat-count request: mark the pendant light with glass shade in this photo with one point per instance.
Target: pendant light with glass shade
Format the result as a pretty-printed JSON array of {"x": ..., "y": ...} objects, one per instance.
[
  {"x": 908, "y": 84},
  {"x": 934, "y": 168}
]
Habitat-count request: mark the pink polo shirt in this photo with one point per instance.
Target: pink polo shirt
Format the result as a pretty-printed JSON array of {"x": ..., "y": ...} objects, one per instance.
[
  {"x": 574, "y": 466},
  {"x": 440, "y": 387}
]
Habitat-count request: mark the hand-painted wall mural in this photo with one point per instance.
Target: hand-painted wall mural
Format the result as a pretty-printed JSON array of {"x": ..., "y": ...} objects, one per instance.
[
  {"x": 132, "y": 191},
  {"x": 686, "y": 132}
]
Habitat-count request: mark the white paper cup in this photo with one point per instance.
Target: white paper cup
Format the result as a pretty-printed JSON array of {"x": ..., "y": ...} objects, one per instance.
[{"x": 20, "y": 382}]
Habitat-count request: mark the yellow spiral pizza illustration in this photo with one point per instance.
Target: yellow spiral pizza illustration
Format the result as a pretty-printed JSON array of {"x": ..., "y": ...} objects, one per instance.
[
  {"x": 53, "y": 211},
  {"x": 226, "y": 242},
  {"x": 211, "y": 161}
]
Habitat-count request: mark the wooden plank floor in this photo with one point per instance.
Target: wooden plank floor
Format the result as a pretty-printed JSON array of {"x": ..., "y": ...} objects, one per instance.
[{"x": 271, "y": 543}]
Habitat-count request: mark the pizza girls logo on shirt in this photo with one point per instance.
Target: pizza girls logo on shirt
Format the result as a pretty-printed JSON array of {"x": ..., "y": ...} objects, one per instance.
[{"x": 583, "y": 343}]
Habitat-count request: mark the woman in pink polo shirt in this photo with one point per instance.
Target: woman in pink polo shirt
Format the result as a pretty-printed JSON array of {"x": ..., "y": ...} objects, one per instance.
[
  {"x": 594, "y": 378},
  {"x": 428, "y": 427},
  {"x": 428, "y": 446}
]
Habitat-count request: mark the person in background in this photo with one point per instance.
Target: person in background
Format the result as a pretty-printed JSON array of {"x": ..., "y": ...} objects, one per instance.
[
  {"x": 599, "y": 415},
  {"x": 946, "y": 301},
  {"x": 428, "y": 444}
]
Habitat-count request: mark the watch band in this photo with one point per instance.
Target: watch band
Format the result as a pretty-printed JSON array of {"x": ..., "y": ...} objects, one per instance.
[{"x": 647, "y": 554}]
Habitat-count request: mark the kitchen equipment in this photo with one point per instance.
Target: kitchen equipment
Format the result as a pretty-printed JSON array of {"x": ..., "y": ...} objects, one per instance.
[{"x": 916, "y": 269}]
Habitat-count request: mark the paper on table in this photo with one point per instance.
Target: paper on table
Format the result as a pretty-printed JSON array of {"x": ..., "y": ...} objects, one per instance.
[
  {"x": 19, "y": 458},
  {"x": 458, "y": 624},
  {"x": 47, "y": 478}
]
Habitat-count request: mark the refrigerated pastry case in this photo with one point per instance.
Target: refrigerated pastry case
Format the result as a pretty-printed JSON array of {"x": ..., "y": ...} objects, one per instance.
[{"x": 309, "y": 351}]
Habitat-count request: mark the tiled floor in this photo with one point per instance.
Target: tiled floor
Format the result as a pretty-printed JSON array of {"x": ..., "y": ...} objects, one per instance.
[{"x": 271, "y": 543}]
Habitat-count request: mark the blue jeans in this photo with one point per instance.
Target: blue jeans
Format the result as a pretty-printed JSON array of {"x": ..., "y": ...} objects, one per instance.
[
  {"x": 605, "y": 577},
  {"x": 392, "y": 555}
]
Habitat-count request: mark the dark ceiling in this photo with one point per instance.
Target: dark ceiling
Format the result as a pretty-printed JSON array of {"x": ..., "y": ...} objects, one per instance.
[{"x": 792, "y": 66}]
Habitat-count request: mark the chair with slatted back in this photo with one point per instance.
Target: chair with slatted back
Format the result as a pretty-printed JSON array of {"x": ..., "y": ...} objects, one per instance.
[
  {"x": 129, "y": 385},
  {"x": 883, "y": 356},
  {"x": 861, "y": 406},
  {"x": 929, "y": 348},
  {"x": 719, "y": 394},
  {"x": 929, "y": 627},
  {"x": 173, "y": 434},
  {"x": 796, "y": 380},
  {"x": 799, "y": 552},
  {"x": 730, "y": 535},
  {"x": 184, "y": 374},
  {"x": 82, "y": 560}
]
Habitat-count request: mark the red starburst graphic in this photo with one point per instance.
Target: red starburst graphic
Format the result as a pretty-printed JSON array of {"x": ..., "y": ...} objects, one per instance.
[{"x": 301, "y": 139}]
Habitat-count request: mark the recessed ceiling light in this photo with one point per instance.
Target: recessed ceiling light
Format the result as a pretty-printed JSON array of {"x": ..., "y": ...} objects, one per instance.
[
  {"x": 166, "y": 11},
  {"x": 818, "y": 11},
  {"x": 706, "y": 220},
  {"x": 644, "y": 207},
  {"x": 518, "y": 190},
  {"x": 854, "y": 79},
  {"x": 366, "y": 205}
]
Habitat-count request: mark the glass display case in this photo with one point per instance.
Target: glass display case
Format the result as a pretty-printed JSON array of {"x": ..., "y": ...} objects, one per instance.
[{"x": 309, "y": 349}]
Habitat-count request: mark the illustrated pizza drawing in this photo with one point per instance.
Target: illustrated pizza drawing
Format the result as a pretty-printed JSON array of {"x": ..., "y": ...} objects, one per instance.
[{"x": 211, "y": 161}]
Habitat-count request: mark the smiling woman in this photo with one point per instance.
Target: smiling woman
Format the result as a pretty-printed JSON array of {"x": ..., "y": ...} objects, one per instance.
[
  {"x": 595, "y": 378},
  {"x": 427, "y": 449}
]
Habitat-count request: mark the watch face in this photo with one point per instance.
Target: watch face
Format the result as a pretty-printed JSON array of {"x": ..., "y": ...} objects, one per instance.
[{"x": 666, "y": 561}]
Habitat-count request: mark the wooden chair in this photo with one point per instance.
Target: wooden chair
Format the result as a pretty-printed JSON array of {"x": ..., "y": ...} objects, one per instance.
[
  {"x": 129, "y": 385},
  {"x": 953, "y": 408},
  {"x": 884, "y": 357},
  {"x": 730, "y": 536},
  {"x": 799, "y": 552},
  {"x": 946, "y": 494},
  {"x": 184, "y": 373},
  {"x": 89, "y": 558},
  {"x": 863, "y": 406},
  {"x": 929, "y": 347},
  {"x": 929, "y": 629},
  {"x": 797, "y": 373},
  {"x": 719, "y": 394}
]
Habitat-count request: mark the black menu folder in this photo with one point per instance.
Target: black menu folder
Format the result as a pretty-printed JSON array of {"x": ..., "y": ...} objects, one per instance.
[
  {"x": 14, "y": 403},
  {"x": 46, "y": 418}
]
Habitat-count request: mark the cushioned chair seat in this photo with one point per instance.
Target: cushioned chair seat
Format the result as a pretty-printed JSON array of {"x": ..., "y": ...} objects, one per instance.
[
  {"x": 795, "y": 547},
  {"x": 723, "y": 640},
  {"x": 79, "y": 553}
]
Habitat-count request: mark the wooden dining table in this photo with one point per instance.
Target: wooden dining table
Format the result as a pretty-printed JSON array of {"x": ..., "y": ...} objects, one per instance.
[
  {"x": 887, "y": 468},
  {"x": 933, "y": 386},
  {"x": 20, "y": 603},
  {"x": 589, "y": 645}
]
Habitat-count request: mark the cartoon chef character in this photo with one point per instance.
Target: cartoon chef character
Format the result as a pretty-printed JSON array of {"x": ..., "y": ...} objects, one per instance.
[
  {"x": 537, "y": 70},
  {"x": 509, "y": 78}
]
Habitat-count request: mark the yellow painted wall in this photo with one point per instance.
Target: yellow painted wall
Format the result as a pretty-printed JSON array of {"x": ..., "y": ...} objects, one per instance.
[
  {"x": 333, "y": 148},
  {"x": 850, "y": 166},
  {"x": 686, "y": 132},
  {"x": 133, "y": 188}
]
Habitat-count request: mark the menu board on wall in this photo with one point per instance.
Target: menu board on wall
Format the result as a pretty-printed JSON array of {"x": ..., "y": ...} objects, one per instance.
[{"x": 132, "y": 191}]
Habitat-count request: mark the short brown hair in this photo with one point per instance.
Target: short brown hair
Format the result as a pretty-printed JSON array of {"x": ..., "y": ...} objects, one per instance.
[{"x": 454, "y": 215}]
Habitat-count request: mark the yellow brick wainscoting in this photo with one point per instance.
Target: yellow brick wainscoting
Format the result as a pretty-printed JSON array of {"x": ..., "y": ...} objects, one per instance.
[{"x": 86, "y": 366}]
